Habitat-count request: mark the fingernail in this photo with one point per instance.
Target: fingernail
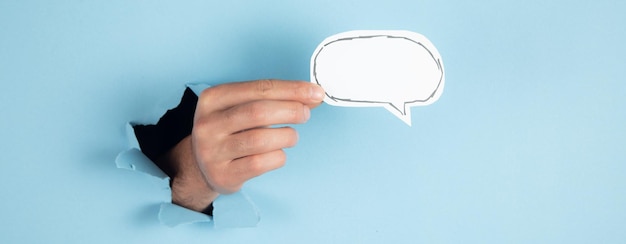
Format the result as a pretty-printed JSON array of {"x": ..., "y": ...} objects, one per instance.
[
  {"x": 317, "y": 93},
  {"x": 307, "y": 112}
]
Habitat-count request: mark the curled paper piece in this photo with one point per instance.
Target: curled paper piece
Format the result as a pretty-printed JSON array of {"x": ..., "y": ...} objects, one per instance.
[{"x": 393, "y": 69}]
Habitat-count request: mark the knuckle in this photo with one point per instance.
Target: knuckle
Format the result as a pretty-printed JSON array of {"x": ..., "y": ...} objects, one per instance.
[
  {"x": 264, "y": 86},
  {"x": 201, "y": 122},
  {"x": 256, "y": 138},
  {"x": 297, "y": 112},
  {"x": 256, "y": 165},
  {"x": 203, "y": 125},
  {"x": 251, "y": 140},
  {"x": 209, "y": 93},
  {"x": 237, "y": 145},
  {"x": 256, "y": 112},
  {"x": 231, "y": 114}
]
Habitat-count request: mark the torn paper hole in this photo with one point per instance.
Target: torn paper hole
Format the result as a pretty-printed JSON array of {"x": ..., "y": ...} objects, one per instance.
[
  {"x": 230, "y": 211},
  {"x": 391, "y": 69}
]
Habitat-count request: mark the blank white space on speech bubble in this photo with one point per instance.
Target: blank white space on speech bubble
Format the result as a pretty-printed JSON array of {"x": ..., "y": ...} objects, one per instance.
[{"x": 391, "y": 69}]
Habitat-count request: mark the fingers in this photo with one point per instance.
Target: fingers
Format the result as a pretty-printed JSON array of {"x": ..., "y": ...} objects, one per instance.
[
  {"x": 258, "y": 141},
  {"x": 228, "y": 95},
  {"x": 228, "y": 162},
  {"x": 262, "y": 113},
  {"x": 231, "y": 138},
  {"x": 232, "y": 178},
  {"x": 258, "y": 164}
]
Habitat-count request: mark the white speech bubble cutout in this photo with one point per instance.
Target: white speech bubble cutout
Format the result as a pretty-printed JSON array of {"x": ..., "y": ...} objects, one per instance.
[{"x": 393, "y": 69}]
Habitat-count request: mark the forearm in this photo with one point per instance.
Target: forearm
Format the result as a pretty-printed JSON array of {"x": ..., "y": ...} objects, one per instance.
[{"x": 189, "y": 188}]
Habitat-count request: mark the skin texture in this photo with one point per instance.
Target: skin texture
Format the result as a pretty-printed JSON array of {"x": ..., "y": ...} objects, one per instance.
[{"x": 232, "y": 142}]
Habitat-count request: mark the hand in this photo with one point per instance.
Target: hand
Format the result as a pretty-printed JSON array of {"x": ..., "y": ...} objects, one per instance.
[{"x": 231, "y": 141}]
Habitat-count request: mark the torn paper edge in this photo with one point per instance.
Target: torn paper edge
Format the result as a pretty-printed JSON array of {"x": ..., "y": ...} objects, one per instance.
[
  {"x": 133, "y": 159},
  {"x": 232, "y": 211},
  {"x": 173, "y": 215}
]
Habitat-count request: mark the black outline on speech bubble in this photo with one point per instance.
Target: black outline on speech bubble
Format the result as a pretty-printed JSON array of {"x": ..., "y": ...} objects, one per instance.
[{"x": 403, "y": 111}]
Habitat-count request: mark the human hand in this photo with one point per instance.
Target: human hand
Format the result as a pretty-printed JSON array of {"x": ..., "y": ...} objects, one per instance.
[{"x": 231, "y": 141}]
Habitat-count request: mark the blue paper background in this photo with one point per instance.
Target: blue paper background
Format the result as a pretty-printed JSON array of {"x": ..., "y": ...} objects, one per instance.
[{"x": 526, "y": 145}]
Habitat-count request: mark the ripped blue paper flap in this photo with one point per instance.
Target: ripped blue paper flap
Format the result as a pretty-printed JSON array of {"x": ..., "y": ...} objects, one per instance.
[
  {"x": 133, "y": 159},
  {"x": 173, "y": 215}
]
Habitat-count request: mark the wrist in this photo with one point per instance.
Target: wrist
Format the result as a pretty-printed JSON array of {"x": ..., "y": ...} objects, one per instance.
[
  {"x": 189, "y": 189},
  {"x": 192, "y": 195}
]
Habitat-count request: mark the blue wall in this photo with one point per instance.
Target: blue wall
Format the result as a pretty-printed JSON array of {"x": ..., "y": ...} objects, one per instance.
[{"x": 526, "y": 145}]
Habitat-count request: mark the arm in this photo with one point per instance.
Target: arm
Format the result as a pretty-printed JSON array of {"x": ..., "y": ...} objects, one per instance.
[{"x": 188, "y": 186}]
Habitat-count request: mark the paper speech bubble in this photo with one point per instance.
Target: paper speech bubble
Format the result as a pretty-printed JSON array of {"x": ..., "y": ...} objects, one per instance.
[{"x": 391, "y": 69}]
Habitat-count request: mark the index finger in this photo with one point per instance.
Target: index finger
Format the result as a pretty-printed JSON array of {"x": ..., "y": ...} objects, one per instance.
[{"x": 228, "y": 95}]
